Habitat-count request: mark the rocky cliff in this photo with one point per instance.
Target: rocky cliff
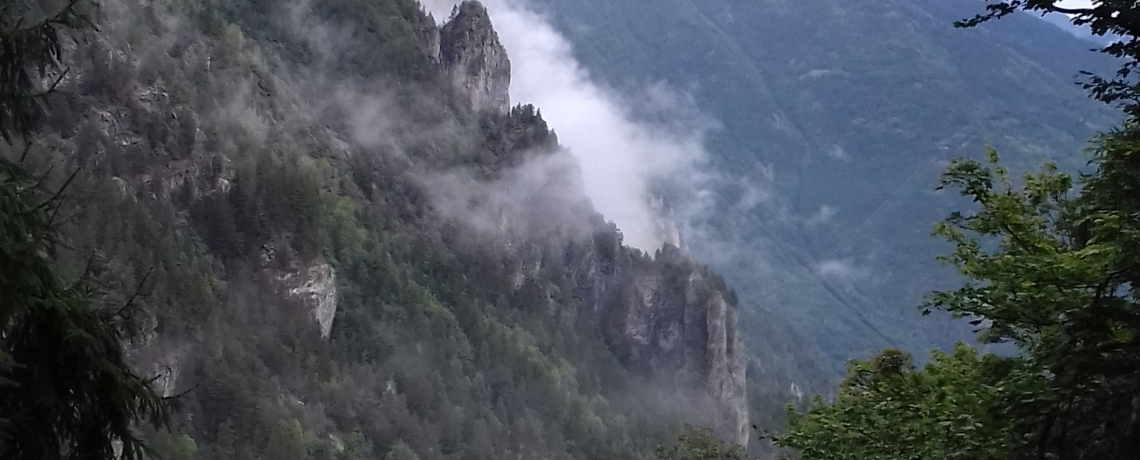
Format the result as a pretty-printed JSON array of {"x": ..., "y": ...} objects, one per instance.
[
  {"x": 316, "y": 287},
  {"x": 670, "y": 320},
  {"x": 475, "y": 62},
  {"x": 666, "y": 316}
]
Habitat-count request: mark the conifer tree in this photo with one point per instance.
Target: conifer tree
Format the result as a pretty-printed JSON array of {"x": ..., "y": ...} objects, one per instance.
[{"x": 66, "y": 391}]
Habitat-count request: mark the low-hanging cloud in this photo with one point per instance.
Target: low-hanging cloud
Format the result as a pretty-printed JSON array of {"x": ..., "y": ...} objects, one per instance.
[
  {"x": 539, "y": 199},
  {"x": 842, "y": 270},
  {"x": 622, "y": 157}
]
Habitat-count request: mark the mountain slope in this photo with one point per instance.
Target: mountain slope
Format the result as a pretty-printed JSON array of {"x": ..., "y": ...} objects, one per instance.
[
  {"x": 346, "y": 245},
  {"x": 842, "y": 115},
  {"x": 1065, "y": 23}
]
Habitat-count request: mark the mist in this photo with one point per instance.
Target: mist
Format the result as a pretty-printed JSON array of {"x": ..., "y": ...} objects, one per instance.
[
  {"x": 622, "y": 157},
  {"x": 538, "y": 199}
]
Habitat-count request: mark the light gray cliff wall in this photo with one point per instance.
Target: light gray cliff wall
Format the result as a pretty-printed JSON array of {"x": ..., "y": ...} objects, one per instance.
[
  {"x": 673, "y": 322},
  {"x": 474, "y": 60}
]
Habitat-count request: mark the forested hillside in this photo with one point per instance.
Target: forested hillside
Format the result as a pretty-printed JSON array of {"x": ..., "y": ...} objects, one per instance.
[
  {"x": 343, "y": 242},
  {"x": 835, "y": 120},
  {"x": 322, "y": 229}
]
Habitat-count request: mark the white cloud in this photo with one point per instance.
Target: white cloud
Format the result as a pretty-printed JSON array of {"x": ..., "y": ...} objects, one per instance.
[
  {"x": 841, "y": 269},
  {"x": 838, "y": 152},
  {"x": 823, "y": 216},
  {"x": 538, "y": 199},
  {"x": 620, "y": 155}
]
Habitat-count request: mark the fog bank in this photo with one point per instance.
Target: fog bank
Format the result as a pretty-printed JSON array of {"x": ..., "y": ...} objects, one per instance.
[{"x": 621, "y": 157}]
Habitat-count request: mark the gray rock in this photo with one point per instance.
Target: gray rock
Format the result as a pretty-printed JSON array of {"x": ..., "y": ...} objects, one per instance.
[
  {"x": 673, "y": 323},
  {"x": 316, "y": 286},
  {"x": 474, "y": 60}
]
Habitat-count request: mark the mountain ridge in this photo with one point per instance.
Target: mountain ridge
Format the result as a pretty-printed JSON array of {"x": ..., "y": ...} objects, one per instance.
[{"x": 348, "y": 249}]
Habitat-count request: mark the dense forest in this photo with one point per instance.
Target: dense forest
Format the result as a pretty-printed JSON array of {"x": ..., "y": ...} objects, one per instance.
[
  {"x": 314, "y": 237},
  {"x": 319, "y": 230}
]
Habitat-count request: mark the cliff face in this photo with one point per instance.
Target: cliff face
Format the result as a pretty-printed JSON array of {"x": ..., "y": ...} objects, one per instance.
[
  {"x": 316, "y": 287},
  {"x": 664, "y": 316},
  {"x": 475, "y": 62},
  {"x": 670, "y": 320}
]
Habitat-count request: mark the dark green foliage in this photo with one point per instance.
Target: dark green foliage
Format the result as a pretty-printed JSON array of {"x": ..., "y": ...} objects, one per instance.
[
  {"x": 1053, "y": 271},
  {"x": 30, "y": 51},
  {"x": 1050, "y": 269},
  {"x": 200, "y": 166},
  {"x": 521, "y": 131},
  {"x": 267, "y": 200},
  {"x": 886, "y": 409},
  {"x": 394, "y": 32},
  {"x": 699, "y": 444},
  {"x": 66, "y": 390}
]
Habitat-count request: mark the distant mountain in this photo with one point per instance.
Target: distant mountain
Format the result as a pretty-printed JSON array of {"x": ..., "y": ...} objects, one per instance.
[
  {"x": 840, "y": 116},
  {"x": 1065, "y": 23}
]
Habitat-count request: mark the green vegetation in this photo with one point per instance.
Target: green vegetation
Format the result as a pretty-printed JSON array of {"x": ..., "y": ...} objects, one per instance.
[
  {"x": 66, "y": 388},
  {"x": 30, "y": 36},
  {"x": 699, "y": 444},
  {"x": 222, "y": 178},
  {"x": 885, "y": 409},
  {"x": 1051, "y": 268},
  {"x": 230, "y": 155}
]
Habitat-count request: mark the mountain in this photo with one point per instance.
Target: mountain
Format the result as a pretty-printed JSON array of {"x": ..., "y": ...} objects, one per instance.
[
  {"x": 1065, "y": 23},
  {"x": 344, "y": 242},
  {"x": 833, "y": 121}
]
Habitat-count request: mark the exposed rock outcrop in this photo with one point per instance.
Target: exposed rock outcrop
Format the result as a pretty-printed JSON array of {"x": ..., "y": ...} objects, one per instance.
[
  {"x": 166, "y": 371},
  {"x": 316, "y": 286},
  {"x": 474, "y": 60},
  {"x": 665, "y": 317},
  {"x": 671, "y": 320},
  {"x": 665, "y": 223}
]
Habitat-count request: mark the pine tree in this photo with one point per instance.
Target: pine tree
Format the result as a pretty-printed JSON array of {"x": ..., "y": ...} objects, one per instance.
[{"x": 66, "y": 391}]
